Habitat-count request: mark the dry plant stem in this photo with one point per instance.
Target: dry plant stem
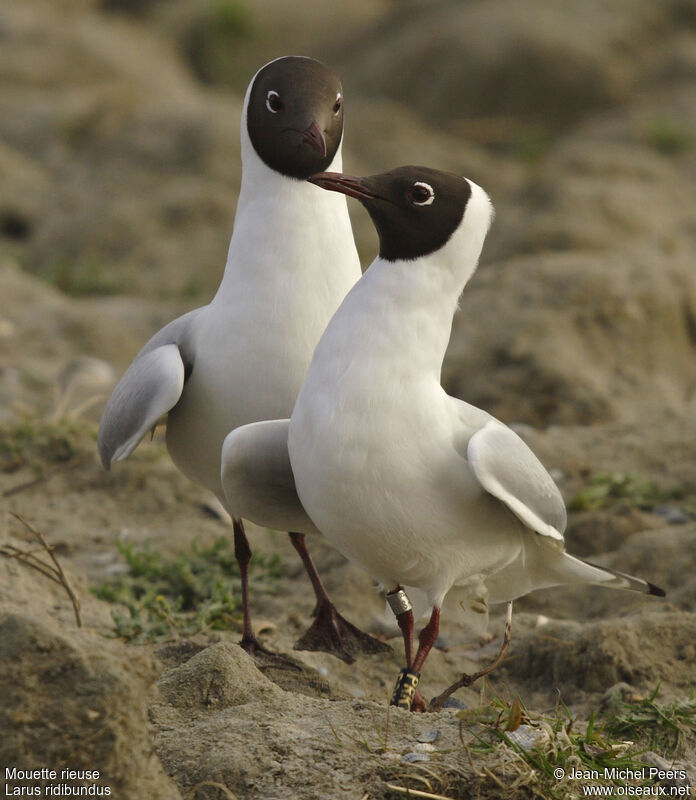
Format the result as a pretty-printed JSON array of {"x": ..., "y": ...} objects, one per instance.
[
  {"x": 466, "y": 680},
  {"x": 416, "y": 792},
  {"x": 386, "y": 729},
  {"x": 10, "y": 551},
  {"x": 54, "y": 573}
]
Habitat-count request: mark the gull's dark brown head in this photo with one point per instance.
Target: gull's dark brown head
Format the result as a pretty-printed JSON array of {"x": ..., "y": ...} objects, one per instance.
[
  {"x": 415, "y": 209},
  {"x": 295, "y": 116}
]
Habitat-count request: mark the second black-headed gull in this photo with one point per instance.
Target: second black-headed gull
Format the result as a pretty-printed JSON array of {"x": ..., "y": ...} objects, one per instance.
[{"x": 419, "y": 488}]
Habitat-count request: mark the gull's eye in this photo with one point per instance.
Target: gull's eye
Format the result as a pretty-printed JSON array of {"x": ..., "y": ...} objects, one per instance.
[
  {"x": 273, "y": 102},
  {"x": 338, "y": 104},
  {"x": 420, "y": 193}
]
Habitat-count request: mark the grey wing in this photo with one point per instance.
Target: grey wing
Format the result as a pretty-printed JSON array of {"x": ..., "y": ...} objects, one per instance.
[
  {"x": 149, "y": 388},
  {"x": 509, "y": 470},
  {"x": 257, "y": 477}
]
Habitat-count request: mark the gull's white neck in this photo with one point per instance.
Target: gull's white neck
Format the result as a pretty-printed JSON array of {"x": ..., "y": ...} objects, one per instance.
[
  {"x": 400, "y": 313},
  {"x": 289, "y": 235}
]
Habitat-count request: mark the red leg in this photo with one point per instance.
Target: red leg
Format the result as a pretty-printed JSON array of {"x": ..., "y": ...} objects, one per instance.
[
  {"x": 242, "y": 553},
  {"x": 298, "y": 542},
  {"x": 405, "y": 621},
  {"x": 426, "y": 639},
  {"x": 249, "y": 642},
  {"x": 330, "y": 632}
]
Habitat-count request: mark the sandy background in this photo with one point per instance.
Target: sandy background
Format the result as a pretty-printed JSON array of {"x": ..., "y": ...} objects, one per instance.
[{"x": 119, "y": 169}]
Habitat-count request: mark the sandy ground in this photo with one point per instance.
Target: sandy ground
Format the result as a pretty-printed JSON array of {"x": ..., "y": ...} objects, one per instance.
[{"x": 174, "y": 715}]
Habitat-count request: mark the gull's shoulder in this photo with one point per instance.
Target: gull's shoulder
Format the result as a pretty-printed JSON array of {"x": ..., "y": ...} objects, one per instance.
[
  {"x": 177, "y": 332},
  {"x": 507, "y": 468}
]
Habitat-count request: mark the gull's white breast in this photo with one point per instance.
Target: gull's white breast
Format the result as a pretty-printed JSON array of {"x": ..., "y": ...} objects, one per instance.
[
  {"x": 372, "y": 450},
  {"x": 292, "y": 260}
]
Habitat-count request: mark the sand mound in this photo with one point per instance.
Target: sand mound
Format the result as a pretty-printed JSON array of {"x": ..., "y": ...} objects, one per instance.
[
  {"x": 75, "y": 701},
  {"x": 580, "y": 659},
  {"x": 143, "y": 171},
  {"x": 552, "y": 63}
]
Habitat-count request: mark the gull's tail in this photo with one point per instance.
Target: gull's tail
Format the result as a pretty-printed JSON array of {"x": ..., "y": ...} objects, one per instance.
[
  {"x": 591, "y": 573},
  {"x": 540, "y": 567}
]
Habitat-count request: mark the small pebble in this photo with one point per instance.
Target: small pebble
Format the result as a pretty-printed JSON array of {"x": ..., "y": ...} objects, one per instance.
[
  {"x": 414, "y": 758},
  {"x": 105, "y": 557},
  {"x": 116, "y": 569},
  {"x": 525, "y": 736},
  {"x": 423, "y": 747},
  {"x": 672, "y": 515},
  {"x": 428, "y": 736},
  {"x": 619, "y": 692}
]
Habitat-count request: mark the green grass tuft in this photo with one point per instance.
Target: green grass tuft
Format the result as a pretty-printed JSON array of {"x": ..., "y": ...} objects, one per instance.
[
  {"x": 606, "y": 489},
  {"x": 669, "y": 136},
  {"x": 36, "y": 443},
  {"x": 84, "y": 278},
  {"x": 162, "y": 598},
  {"x": 231, "y": 18},
  {"x": 522, "y": 749},
  {"x": 665, "y": 728}
]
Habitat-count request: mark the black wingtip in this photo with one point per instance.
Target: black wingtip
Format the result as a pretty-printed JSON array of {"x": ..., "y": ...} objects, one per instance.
[
  {"x": 104, "y": 456},
  {"x": 655, "y": 590}
]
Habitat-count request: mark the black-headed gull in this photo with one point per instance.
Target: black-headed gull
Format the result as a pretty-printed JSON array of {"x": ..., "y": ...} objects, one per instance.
[
  {"x": 415, "y": 486},
  {"x": 243, "y": 357}
]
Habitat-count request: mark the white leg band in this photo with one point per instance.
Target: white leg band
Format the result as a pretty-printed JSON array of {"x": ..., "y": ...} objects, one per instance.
[{"x": 399, "y": 602}]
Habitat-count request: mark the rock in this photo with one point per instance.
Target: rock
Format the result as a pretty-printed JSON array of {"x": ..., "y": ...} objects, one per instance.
[
  {"x": 617, "y": 694},
  {"x": 672, "y": 515},
  {"x": 677, "y": 773}
]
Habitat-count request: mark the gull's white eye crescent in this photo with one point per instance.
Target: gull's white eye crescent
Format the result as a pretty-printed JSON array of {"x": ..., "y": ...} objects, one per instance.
[
  {"x": 338, "y": 104},
  {"x": 421, "y": 193},
  {"x": 273, "y": 102}
]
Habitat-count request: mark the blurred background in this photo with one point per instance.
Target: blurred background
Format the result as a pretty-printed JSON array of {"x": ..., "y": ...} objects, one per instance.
[{"x": 119, "y": 168}]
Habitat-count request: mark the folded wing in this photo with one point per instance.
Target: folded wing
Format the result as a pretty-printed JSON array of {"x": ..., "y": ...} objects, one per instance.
[
  {"x": 257, "y": 477},
  {"x": 149, "y": 388},
  {"x": 509, "y": 470}
]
